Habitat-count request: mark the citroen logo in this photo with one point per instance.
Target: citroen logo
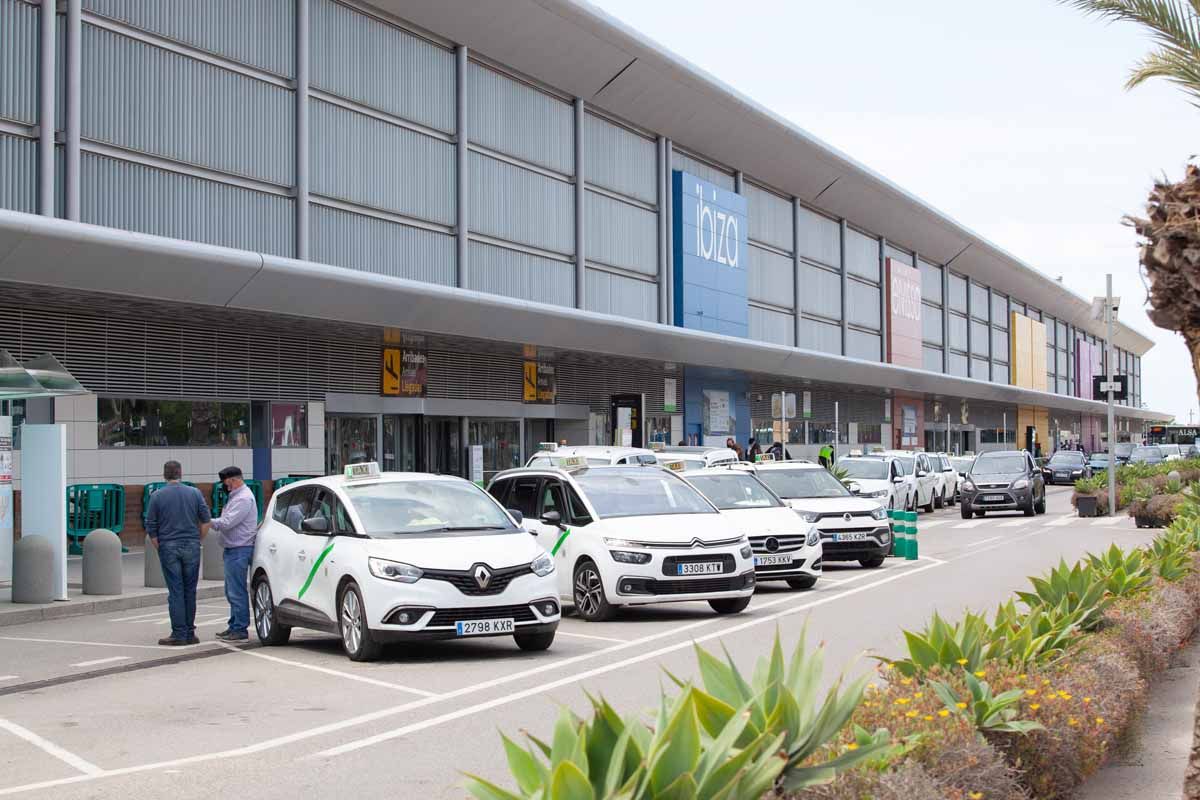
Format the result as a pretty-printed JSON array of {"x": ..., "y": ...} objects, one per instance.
[
  {"x": 483, "y": 576},
  {"x": 847, "y": 516},
  {"x": 772, "y": 544}
]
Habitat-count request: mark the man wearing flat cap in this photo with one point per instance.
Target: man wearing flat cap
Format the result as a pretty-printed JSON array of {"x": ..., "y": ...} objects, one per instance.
[{"x": 238, "y": 525}]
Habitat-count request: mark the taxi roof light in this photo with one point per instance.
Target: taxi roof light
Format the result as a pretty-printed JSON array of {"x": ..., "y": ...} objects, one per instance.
[
  {"x": 363, "y": 471},
  {"x": 572, "y": 462},
  {"x": 547, "y": 447},
  {"x": 658, "y": 447}
]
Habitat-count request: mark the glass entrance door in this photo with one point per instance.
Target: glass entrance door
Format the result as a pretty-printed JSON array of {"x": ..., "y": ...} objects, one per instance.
[
  {"x": 400, "y": 443},
  {"x": 350, "y": 440},
  {"x": 443, "y": 446},
  {"x": 501, "y": 442}
]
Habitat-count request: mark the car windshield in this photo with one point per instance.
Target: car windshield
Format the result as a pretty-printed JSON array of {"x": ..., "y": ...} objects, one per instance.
[
  {"x": 1066, "y": 459},
  {"x": 1169, "y": 449},
  {"x": 1122, "y": 449},
  {"x": 906, "y": 464},
  {"x": 404, "y": 508},
  {"x": 1099, "y": 458},
  {"x": 1142, "y": 453},
  {"x": 999, "y": 464},
  {"x": 935, "y": 463},
  {"x": 640, "y": 492},
  {"x": 735, "y": 490},
  {"x": 801, "y": 483},
  {"x": 865, "y": 469},
  {"x": 962, "y": 464}
]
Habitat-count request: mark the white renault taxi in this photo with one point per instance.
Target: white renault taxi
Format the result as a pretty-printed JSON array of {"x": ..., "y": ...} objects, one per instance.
[
  {"x": 852, "y": 528},
  {"x": 785, "y": 546},
  {"x": 550, "y": 454},
  {"x": 381, "y": 557},
  {"x": 697, "y": 457},
  {"x": 630, "y": 535}
]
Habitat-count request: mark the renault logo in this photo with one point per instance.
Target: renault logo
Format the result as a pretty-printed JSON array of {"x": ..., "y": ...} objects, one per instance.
[
  {"x": 772, "y": 544},
  {"x": 483, "y": 576},
  {"x": 847, "y": 516}
]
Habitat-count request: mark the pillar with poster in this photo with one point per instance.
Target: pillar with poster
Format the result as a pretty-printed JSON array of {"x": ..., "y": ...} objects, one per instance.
[
  {"x": 627, "y": 411},
  {"x": 6, "y": 498}
]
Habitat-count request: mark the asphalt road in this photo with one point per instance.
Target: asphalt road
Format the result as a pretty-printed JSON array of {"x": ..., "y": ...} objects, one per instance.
[{"x": 91, "y": 708}]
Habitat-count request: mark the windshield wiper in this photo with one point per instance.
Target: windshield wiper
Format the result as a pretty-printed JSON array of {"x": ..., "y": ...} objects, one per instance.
[{"x": 461, "y": 528}]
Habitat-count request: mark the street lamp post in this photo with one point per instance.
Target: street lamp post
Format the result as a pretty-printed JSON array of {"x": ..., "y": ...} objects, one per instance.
[{"x": 1112, "y": 464}]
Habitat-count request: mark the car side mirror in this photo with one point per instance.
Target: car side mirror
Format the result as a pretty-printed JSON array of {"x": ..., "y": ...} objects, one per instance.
[
  {"x": 315, "y": 525},
  {"x": 552, "y": 518},
  {"x": 898, "y": 479},
  {"x": 516, "y": 514},
  {"x": 921, "y": 473}
]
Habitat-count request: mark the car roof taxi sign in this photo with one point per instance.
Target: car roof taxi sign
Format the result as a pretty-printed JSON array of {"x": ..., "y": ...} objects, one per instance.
[
  {"x": 358, "y": 472},
  {"x": 571, "y": 462}
]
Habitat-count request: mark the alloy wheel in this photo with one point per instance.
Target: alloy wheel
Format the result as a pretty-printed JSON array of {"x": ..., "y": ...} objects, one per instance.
[
  {"x": 589, "y": 591},
  {"x": 264, "y": 610},
  {"x": 351, "y": 621}
]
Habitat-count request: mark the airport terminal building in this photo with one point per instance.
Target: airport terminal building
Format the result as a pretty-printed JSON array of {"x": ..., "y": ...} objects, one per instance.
[{"x": 287, "y": 234}]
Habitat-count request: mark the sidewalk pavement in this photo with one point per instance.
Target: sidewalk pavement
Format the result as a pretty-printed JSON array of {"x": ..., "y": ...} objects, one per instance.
[
  {"x": 134, "y": 594},
  {"x": 1161, "y": 743}
]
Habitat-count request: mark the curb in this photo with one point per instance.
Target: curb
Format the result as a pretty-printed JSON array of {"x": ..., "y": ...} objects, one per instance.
[{"x": 100, "y": 606}]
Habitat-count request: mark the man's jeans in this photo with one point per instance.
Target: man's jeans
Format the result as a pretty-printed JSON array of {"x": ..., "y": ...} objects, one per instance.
[
  {"x": 237, "y": 563},
  {"x": 180, "y": 559}
]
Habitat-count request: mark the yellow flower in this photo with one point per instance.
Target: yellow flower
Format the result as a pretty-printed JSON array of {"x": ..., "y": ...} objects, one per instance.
[
  {"x": 1099, "y": 720},
  {"x": 852, "y": 746},
  {"x": 918, "y": 695},
  {"x": 1064, "y": 695},
  {"x": 1087, "y": 700},
  {"x": 1035, "y": 706},
  {"x": 980, "y": 674},
  {"x": 902, "y": 701},
  {"x": 1045, "y": 681},
  {"x": 976, "y": 795},
  {"x": 1031, "y": 692},
  {"x": 962, "y": 662},
  {"x": 1022, "y": 676},
  {"x": 928, "y": 717},
  {"x": 1072, "y": 721},
  {"x": 906, "y": 681},
  {"x": 943, "y": 713},
  {"x": 961, "y": 705},
  {"x": 910, "y": 714}
]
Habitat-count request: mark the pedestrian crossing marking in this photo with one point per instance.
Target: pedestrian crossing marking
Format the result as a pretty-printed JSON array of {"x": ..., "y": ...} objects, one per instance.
[
  {"x": 932, "y": 523},
  {"x": 1060, "y": 522},
  {"x": 1014, "y": 523},
  {"x": 1106, "y": 520},
  {"x": 971, "y": 523}
]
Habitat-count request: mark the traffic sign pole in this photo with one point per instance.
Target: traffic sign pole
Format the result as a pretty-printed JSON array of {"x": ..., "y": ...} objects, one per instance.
[{"x": 1112, "y": 464}]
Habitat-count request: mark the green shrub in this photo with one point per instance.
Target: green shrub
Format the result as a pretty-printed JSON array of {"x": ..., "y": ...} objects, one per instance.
[
  {"x": 1069, "y": 590},
  {"x": 962, "y": 645},
  {"x": 1041, "y": 636},
  {"x": 1123, "y": 573},
  {"x": 991, "y": 713}
]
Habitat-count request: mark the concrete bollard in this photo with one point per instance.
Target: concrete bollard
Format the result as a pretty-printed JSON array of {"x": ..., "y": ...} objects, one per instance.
[
  {"x": 102, "y": 563},
  {"x": 152, "y": 571},
  {"x": 33, "y": 570},
  {"x": 212, "y": 558}
]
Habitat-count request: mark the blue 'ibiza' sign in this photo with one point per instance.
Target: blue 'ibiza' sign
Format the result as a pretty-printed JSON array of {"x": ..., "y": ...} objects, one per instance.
[{"x": 710, "y": 233}]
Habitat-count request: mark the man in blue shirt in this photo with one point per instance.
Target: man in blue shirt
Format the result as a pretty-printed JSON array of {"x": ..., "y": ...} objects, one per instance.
[{"x": 176, "y": 521}]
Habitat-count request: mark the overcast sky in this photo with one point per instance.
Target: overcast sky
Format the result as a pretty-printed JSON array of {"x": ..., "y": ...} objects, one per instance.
[{"x": 1011, "y": 118}]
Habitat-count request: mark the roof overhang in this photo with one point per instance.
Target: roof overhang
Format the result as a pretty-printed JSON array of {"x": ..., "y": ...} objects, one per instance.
[
  {"x": 107, "y": 260},
  {"x": 577, "y": 48}
]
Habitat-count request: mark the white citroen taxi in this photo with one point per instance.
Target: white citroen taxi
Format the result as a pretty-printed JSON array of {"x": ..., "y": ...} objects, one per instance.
[
  {"x": 381, "y": 557},
  {"x": 630, "y": 535},
  {"x": 785, "y": 546},
  {"x": 852, "y": 528}
]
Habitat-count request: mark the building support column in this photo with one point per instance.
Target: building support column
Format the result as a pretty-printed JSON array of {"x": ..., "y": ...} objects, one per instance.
[
  {"x": 884, "y": 299},
  {"x": 303, "y": 130},
  {"x": 46, "y": 107},
  {"x": 946, "y": 319},
  {"x": 668, "y": 275},
  {"x": 580, "y": 200},
  {"x": 796, "y": 282},
  {"x": 845, "y": 284},
  {"x": 664, "y": 266},
  {"x": 460, "y": 163},
  {"x": 991, "y": 354},
  {"x": 737, "y": 182},
  {"x": 74, "y": 107}
]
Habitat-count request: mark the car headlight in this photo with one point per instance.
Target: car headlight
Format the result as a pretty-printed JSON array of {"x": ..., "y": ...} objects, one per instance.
[
  {"x": 747, "y": 551},
  {"x": 1077, "y": 472},
  {"x": 807, "y": 516},
  {"x": 621, "y": 543},
  {"x": 629, "y": 557},
  {"x": 393, "y": 570},
  {"x": 970, "y": 487},
  {"x": 814, "y": 538},
  {"x": 543, "y": 565},
  {"x": 880, "y": 493},
  {"x": 879, "y": 513},
  {"x": 1021, "y": 484}
]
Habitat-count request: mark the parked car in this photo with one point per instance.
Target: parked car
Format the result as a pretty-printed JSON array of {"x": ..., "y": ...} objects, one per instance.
[
  {"x": 1146, "y": 454},
  {"x": 1003, "y": 480},
  {"x": 852, "y": 528},
  {"x": 1122, "y": 451},
  {"x": 952, "y": 477},
  {"x": 1098, "y": 462},
  {"x": 1066, "y": 466},
  {"x": 879, "y": 478},
  {"x": 630, "y": 535},
  {"x": 1171, "y": 452},
  {"x": 785, "y": 546},
  {"x": 920, "y": 477},
  {"x": 406, "y": 557},
  {"x": 697, "y": 457},
  {"x": 549, "y": 454},
  {"x": 944, "y": 487}
]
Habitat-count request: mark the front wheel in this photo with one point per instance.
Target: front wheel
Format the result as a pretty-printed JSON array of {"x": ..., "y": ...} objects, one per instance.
[
  {"x": 734, "y": 605},
  {"x": 802, "y": 582},
  {"x": 357, "y": 641},
  {"x": 979, "y": 514},
  {"x": 928, "y": 507},
  {"x": 590, "y": 601},
  {"x": 965, "y": 510},
  {"x": 939, "y": 500},
  {"x": 1040, "y": 506},
  {"x": 270, "y": 631},
  {"x": 534, "y": 641},
  {"x": 872, "y": 562}
]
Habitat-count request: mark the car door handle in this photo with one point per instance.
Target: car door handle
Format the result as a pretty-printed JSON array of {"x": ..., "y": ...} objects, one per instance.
[
  {"x": 272, "y": 548},
  {"x": 302, "y": 555}
]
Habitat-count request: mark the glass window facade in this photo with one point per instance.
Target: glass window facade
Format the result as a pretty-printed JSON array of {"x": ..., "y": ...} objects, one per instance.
[
  {"x": 127, "y": 422},
  {"x": 958, "y": 293}
]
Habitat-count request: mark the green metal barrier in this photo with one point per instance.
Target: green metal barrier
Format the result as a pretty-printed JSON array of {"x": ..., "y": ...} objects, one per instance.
[
  {"x": 91, "y": 506},
  {"x": 151, "y": 488},
  {"x": 910, "y": 544},
  {"x": 220, "y": 497},
  {"x": 290, "y": 479},
  {"x": 895, "y": 524}
]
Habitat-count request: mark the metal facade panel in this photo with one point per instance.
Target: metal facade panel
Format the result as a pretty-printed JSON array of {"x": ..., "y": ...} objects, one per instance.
[
  {"x": 622, "y": 296},
  {"x": 999, "y": 345},
  {"x": 772, "y": 326},
  {"x": 958, "y": 332},
  {"x": 822, "y": 292},
  {"x": 863, "y": 345},
  {"x": 18, "y": 173},
  {"x": 154, "y": 101},
  {"x": 515, "y": 119},
  {"x": 364, "y": 59},
  {"x": 819, "y": 238},
  {"x": 770, "y": 217},
  {"x": 862, "y": 304},
  {"x": 903, "y": 256},
  {"x": 621, "y": 235},
  {"x": 979, "y": 301},
  {"x": 931, "y": 282},
  {"x": 619, "y": 159},
  {"x": 260, "y": 33},
  {"x": 931, "y": 325},
  {"x": 685, "y": 163},
  {"x": 771, "y": 277},
  {"x": 932, "y": 358},
  {"x": 516, "y": 274},
  {"x": 862, "y": 255},
  {"x": 979, "y": 338},
  {"x": 121, "y": 194},
  {"x": 822, "y": 336},
  {"x": 365, "y": 160},
  {"x": 520, "y": 205},
  {"x": 958, "y": 293},
  {"x": 380, "y": 246},
  {"x": 18, "y": 61}
]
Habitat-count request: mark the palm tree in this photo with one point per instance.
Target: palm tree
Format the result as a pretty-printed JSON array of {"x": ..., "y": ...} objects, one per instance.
[{"x": 1171, "y": 228}]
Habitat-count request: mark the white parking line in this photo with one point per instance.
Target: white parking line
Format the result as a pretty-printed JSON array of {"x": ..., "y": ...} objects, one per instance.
[
  {"x": 561, "y": 632},
  {"x": 1014, "y": 523},
  {"x": 933, "y": 523},
  {"x": 98, "y": 661},
  {"x": 70, "y": 641},
  {"x": 1107, "y": 520},
  {"x": 1060, "y": 522},
  {"x": 350, "y": 676},
  {"x": 971, "y": 523},
  {"x": 985, "y": 541},
  {"x": 86, "y": 767},
  {"x": 9, "y": 677},
  {"x": 208, "y": 619}
]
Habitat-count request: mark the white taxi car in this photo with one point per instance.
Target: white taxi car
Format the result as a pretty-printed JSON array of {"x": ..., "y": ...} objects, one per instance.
[
  {"x": 785, "y": 546},
  {"x": 852, "y": 528},
  {"x": 550, "y": 454},
  {"x": 697, "y": 457},
  {"x": 877, "y": 478},
  {"x": 919, "y": 477},
  {"x": 630, "y": 535},
  {"x": 381, "y": 557}
]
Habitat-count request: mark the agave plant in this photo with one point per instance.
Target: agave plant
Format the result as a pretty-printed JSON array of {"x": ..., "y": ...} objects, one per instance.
[
  {"x": 608, "y": 757},
  {"x": 965, "y": 644},
  {"x": 1041, "y": 636},
  {"x": 783, "y": 699},
  {"x": 1123, "y": 573},
  {"x": 991, "y": 713},
  {"x": 1070, "y": 589},
  {"x": 1171, "y": 556}
]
